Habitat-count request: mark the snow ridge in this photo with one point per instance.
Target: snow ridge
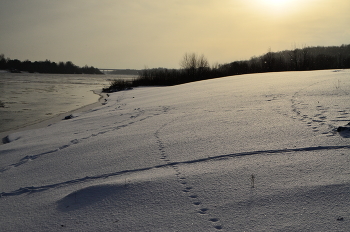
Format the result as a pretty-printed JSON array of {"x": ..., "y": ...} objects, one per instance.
[{"x": 168, "y": 163}]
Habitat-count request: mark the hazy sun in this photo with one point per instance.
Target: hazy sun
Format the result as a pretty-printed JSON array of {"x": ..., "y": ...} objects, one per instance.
[
  {"x": 277, "y": 2},
  {"x": 279, "y": 6}
]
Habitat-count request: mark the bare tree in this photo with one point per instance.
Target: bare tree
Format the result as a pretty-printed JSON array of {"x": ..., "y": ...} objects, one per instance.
[
  {"x": 305, "y": 59},
  {"x": 195, "y": 66},
  {"x": 295, "y": 58},
  {"x": 269, "y": 61},
  {"x": 193, "y": 61}
]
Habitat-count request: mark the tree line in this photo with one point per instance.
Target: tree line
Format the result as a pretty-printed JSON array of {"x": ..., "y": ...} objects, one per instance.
[
  {"x": 196, "y": 67},
  {"x": 124, "y": 72},
  {"x": 45, "y": 67},
  {"x": 298, "y": 59}
]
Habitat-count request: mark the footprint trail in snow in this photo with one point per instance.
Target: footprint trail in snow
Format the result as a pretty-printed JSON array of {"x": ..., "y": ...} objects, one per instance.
[{"x": 187, "y": 189}]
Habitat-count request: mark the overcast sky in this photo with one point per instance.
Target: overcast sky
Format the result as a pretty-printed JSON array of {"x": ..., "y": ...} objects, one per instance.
[{"x": 157, "y": 33}]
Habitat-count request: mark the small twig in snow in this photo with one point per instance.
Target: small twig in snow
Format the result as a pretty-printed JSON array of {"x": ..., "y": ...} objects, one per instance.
[{"x": 252, "y": 179}]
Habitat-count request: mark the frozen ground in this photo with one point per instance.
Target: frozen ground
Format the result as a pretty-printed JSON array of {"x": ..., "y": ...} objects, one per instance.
[{"x": 182, "y": 158}]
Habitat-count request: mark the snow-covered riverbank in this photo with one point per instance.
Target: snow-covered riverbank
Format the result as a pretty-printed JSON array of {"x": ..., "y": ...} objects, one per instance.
[{"x": 185, "y": 158}]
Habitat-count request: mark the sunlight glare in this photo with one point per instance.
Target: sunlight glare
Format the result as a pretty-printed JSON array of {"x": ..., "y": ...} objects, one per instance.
[
  {"x": 277, "y": 3},
  {"x": 279, "y": 6}
]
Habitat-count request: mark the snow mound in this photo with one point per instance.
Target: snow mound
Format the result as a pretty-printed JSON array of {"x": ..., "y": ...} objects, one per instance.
[{"x": 92, "y": 195}]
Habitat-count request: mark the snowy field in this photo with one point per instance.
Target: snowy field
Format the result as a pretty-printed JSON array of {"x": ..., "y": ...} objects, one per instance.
[{"x": 257, "y": 152}]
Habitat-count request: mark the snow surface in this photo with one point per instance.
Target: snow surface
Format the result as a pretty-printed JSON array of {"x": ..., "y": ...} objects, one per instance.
[{"x": 181, "y": 158}]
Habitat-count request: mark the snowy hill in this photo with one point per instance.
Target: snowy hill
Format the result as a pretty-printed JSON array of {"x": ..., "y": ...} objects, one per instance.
[{"x": 257, "y": 152}]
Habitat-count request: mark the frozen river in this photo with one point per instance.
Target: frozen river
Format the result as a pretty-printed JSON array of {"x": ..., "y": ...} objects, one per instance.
[{"x": 28, "y": 98}]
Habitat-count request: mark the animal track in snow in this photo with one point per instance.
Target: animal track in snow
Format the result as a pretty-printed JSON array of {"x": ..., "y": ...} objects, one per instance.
[
  {"x": 203, "y": 211},
  {"x": 181, "y": 179},
  {"x": 213, "y": 219},
  {"x": 320, "y": 122},
  {"x": 124, "y": 123}
]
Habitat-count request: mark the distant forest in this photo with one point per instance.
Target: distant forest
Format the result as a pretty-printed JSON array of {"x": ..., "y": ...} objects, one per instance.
[
  {"x": 124, "y": 72},
  {"x": 45, "y": 67},
  {"x": 196, "y": 67},
  {"x": 299, "y": 59}
]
